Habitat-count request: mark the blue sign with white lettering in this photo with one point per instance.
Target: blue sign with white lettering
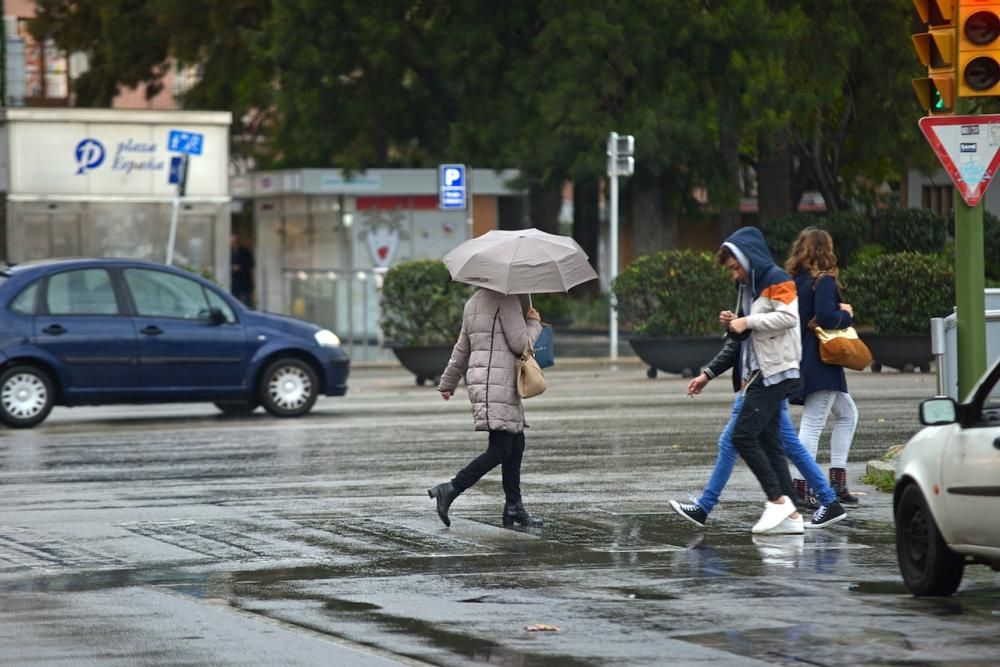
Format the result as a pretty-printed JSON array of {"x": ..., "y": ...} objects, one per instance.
[
  {"x": 452, "y": 187},
  {"x": 175, "y": 170},
  {"x": 181, "y": 141}
]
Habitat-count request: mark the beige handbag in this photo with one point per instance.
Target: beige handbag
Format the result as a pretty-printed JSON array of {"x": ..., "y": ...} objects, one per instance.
[
  {"x": 530, "y": 380},
  {"x": 843, "y": 347}
]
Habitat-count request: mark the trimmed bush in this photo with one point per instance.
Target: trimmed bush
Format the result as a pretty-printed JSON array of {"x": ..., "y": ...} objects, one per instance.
[
  {"x": 421, "y": 304},
  {"x": 673, "y": 293},
  {"x": 900, "y": 292},
  {"x": 849, "y": 231},
  {"x": 991, "y": 246},
  {"x": 910, "y": 230}
]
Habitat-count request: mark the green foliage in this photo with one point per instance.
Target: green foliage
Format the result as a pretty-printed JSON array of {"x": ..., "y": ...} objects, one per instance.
[
  {"x": 580, "y": 310},
  {"x": 421, "y": 305},
  {"x": 882, "y": 480},
  {"x": 673, "y": 293},
  {"x": 848, "y": 230},
  {"x": 991, "y": 246},
  {"x": 910, "y": 230},
  {"x": 900, "y": 292},
  {"x": 204, "y": 272}
]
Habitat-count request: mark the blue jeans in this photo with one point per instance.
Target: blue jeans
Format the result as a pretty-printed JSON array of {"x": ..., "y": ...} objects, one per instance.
[{"x": 794, "y": 450}]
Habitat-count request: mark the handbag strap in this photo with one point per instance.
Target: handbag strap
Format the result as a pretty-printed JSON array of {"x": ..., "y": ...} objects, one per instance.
[{"x": 529, "y": 351}]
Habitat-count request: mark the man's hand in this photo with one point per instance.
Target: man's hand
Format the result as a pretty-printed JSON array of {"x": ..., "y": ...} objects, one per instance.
[
  {"x": 445, "y": 394},
  {"x": 697, "y": 384},
  {"x": 739, "y": 325},
  {"x": 725, "y": 317}
]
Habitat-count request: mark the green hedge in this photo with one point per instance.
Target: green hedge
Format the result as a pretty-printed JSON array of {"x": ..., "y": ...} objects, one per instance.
[
  {"x": 910, "y": 230},
  {"x": 900, "y": 292},
  {"x": 849, "y": 231},
  {"x": 673, "y": 293},
  {"x": 421, "y": 305}
]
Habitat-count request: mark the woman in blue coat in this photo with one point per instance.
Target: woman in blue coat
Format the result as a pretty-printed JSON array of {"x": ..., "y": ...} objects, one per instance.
[{"x": 813, "y": 264}]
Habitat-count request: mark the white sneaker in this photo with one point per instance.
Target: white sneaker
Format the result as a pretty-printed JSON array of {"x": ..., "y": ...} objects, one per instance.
[
  {"x": 780, "y": 550},
  {"x": 774, "y": 514},
  {"x": 788, "y": 526}
]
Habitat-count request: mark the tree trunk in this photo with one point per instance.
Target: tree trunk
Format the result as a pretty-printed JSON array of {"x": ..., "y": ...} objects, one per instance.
[
  {"x": 586, "y": 216},
  {"x": 544, "y": 203},
  {"x": 652, "y": 227},
  {"x": 775, "y": 197},
  {"x": 728, "y": 201}
]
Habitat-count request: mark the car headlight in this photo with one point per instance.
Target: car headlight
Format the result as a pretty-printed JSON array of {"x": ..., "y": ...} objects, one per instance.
[{"x": 327, "y": 338}]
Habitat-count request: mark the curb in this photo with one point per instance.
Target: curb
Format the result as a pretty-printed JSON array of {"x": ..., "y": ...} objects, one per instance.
[{"x": 572, "y": 362}]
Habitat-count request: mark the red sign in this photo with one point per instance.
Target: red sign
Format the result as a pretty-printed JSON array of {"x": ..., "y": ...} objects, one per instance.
[{"x": 969, "y": 150}]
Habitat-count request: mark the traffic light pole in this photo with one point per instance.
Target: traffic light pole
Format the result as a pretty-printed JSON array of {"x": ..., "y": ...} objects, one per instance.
[{"x": 970, "y": 285}]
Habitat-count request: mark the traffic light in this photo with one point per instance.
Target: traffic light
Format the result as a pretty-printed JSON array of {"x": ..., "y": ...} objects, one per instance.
[
  {"x": 936, "y": 50},
  {"x": 978, "y": 48},
  {"x": 621, "y": 151}
]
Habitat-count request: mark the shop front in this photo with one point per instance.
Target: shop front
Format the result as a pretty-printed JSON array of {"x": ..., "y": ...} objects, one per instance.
[
  {"x": 323, "y": 239},
  {"x": 94, "y": 182}
]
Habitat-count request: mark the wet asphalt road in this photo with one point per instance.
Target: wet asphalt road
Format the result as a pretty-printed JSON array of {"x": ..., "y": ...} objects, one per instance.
[{"x": 171, "y": 535}]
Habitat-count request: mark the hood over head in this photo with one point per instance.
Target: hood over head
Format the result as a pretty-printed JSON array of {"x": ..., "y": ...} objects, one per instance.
[{"x": 750, "y": 249}]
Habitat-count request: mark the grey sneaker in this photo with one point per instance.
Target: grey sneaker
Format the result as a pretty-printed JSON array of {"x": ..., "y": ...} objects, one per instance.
[
  {"x": 826, "y": 515},
  {"x": 690, "y": 511}
]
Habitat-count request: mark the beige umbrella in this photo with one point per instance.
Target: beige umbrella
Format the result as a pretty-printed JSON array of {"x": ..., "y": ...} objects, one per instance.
[{"x": 521, "y": 261}]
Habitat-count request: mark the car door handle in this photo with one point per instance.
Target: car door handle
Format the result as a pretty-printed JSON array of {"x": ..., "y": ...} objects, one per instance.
[
  {"x": 151, "y": 330},
  {"x": 54, "y": 329}
]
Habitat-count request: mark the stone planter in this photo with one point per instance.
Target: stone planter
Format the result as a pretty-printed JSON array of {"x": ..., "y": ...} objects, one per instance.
[
  {"x": 684, "y": 355},
  {"x": 905, "y": 352},
  {"x": 426, "y": 362}
]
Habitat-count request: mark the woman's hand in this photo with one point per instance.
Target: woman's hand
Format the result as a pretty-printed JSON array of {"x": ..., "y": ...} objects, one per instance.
[
  {"x": 532, "y": 314},
  {"x": 847, "y": 307},
  {"x": 445, "y": 394}
]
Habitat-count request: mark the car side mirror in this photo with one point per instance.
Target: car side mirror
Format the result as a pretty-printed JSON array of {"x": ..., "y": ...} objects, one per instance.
[
  {"x": 938, "y": 411},
  {"x": 216, "y": 316}
]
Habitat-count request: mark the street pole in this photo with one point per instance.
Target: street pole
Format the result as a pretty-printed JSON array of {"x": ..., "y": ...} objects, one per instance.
[
  {"x": 175, "y": 208},
  {"x": 970, "y": 285},
  {"x": 613, "y": 247}
]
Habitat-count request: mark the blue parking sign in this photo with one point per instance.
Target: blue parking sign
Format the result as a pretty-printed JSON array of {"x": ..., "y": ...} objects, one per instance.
[
  {"x": 452, "y": 192},
  {"x": 181, "y": 141}
]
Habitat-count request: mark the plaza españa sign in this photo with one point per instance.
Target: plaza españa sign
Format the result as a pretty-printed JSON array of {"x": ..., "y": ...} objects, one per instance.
[{"x": 969, "y": 150}]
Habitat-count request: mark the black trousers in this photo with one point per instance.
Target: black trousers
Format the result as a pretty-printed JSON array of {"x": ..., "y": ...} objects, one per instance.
[
  {"x": 756, "y": 436},
  {"x": 505, "y": 449}
]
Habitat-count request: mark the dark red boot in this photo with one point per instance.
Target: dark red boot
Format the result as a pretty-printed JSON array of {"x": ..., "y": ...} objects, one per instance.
[{"x": 838, "y": 480}]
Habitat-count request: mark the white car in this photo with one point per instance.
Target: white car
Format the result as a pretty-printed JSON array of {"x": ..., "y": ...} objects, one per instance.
[{"x": 947, "y": 499}]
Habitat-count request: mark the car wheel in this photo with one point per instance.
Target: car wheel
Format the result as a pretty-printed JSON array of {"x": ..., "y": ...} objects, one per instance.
[
  {"x": 236, "y": 408},
  {"x": 288, "y": 388},
  {"x": 26, "y": 396},
  {"x": 928, "y": 566}
]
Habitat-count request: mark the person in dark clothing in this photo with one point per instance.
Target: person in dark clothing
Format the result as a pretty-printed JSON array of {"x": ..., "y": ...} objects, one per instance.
[
  {"x": 824, "y": 387},
  {"x": 241, "y": 267}
]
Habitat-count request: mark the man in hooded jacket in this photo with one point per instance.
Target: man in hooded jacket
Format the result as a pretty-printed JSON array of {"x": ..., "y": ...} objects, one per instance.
[{"x": 769, "y": 358}]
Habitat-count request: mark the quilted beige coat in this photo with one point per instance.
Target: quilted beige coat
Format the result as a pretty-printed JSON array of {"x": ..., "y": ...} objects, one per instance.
[{"x": 494, "y": 334}]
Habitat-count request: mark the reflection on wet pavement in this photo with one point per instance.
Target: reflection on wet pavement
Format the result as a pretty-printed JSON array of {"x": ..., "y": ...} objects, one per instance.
[{"x": 321, "y": 527}]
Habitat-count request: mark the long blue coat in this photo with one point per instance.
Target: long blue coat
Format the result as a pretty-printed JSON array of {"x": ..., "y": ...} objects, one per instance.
[{"x": 823, "y": 303}]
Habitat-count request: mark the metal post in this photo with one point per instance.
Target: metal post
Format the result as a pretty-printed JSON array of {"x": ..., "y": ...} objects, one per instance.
[
  {"x": 970, "y": 283},
  {"x": 613, "y": 249},
  {"x": 174, "y": 211},
  {"x": 938, "y": 349}
]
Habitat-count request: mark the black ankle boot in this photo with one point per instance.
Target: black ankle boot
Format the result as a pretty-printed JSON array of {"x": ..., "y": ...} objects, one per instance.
[
  {"x": 515, "y": 513},
  {"x": 838, "y": 480},
  {"x": 445, "y": 494}
]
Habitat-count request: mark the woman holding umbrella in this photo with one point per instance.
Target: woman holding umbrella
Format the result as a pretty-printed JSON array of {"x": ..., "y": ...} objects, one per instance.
[{"x": 495, "y": 333}]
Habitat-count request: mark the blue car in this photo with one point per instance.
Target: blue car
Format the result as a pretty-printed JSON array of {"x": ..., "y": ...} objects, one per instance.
[{"x": 99, "y": 331}]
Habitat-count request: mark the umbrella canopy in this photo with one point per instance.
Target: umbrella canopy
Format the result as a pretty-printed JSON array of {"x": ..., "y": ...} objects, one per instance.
[{"x": 522, "y": 261}]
